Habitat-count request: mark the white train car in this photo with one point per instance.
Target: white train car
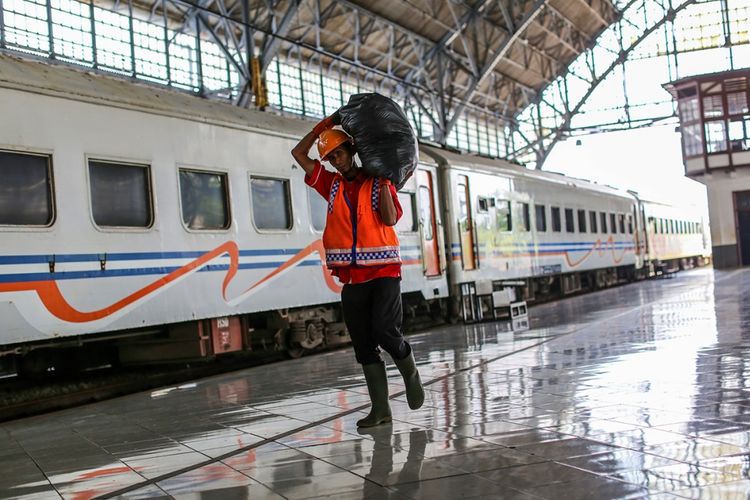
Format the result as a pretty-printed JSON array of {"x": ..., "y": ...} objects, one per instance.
[
  {"x": 676, "y": 237},
  {"x": 126, "y": 208},
  {"x": 545, "y": 229}
]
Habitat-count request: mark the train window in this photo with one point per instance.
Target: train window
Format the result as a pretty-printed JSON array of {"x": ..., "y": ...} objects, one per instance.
[
  {"x": 120, "y": 194},
  {"x": 592, "y": 221},
  {"x": 603, "y": 220},
  {"x": 569, "y": 222},
  {"x": 318, "y": 210},
  {"x": 482, "y": 205},
  {"x": 630, "y": 223},
  {"x": 671, "y": 226},
  {"x": 425, "y": 212},
  {"x": 613, "y": 223},
  {"x": 540, "y": 214},
  {"x": 621, "y": 220},
  {"x": 272, "y": 208},
  {"x": 504, "y": 216},
  {"x": 26, "y": 197},
  {"x": 408, "y": 222},
  {"x": 582, "y": 221},
  {"x": 205, "y": 199},
  {"x": 526, "y": 216},
  {"x": 556, "y": 225}
]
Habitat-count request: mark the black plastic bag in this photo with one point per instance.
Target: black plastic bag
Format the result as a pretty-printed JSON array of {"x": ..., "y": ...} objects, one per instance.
[{"x": 385, "y": 141}]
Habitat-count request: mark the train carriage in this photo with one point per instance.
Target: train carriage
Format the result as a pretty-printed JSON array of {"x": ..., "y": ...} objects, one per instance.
[
  {"x": 542, "y": 228},
  {"x": 676, "y": 237},
  {"x": 153, "y": 208}
]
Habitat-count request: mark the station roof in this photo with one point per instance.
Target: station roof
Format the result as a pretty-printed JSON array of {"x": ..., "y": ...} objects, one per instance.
[{"x": 501, "y": 53}]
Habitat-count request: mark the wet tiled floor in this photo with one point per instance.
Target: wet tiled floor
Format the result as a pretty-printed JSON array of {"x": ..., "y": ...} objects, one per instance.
[{"x": 639, "y": 391}]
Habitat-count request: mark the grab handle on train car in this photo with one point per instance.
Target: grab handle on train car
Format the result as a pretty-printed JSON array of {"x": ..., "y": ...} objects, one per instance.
[
  {"x": 475, "y": 241},
  {"x": 460, "y": 244},
  {"x": 422, "y": 246},
  {"x": 442, "y": 251}
]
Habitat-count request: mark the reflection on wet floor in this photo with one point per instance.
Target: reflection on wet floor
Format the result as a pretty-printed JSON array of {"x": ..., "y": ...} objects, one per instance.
[{"x": 639, "y": 391}]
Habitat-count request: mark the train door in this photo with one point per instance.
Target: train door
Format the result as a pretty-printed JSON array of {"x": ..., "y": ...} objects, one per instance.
[
  {"x": 427, "y": 224},
  {"x": 742, "y": 218},
  {"x": 465, "y": 224}
]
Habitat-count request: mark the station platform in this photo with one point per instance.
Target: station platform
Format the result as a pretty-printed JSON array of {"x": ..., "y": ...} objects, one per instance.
[{"x": 633, "y": 392}]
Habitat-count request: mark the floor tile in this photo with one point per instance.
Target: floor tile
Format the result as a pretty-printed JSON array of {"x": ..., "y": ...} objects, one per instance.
[{"x": 632, "y": 392}]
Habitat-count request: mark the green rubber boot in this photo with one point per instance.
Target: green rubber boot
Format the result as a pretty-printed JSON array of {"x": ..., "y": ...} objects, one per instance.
[
  {"x": 377, "y": 386},
  {"x": 414, "y": 390}
]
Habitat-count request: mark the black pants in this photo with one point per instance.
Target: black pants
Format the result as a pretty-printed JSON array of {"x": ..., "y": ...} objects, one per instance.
[{"x": 373, "y": 316}]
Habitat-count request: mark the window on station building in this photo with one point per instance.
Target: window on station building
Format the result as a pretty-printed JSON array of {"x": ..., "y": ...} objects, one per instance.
[
  {"x": 120, "y": 194},
  {"x": 737, "y": 103},
  {"x": 272, "y": 208},
  {"x": 408, "y": 221},
  {"x": 713, "y": 106},
  {"x": 739, "y": 133},
  {"x": 592, "y": 221},
  {"x": 26, "y": 195},
  {"x": 205, "y": 199},
  {"x": 613, "y": 223},
  {"x": 540, "y": 216},
  {"x": 716, "y": 139},
  {"x": 504, "y": 219},
  {"x": 319, "y": 210},
  {"x": 525, "y": 217},
  {"x": 556, "y": 222},
  {"x": 692, "y": 139},
  {"x": 688, "y": 105},
  {"x": 569, "y": 221},
  {"x": 692, "y": 131},
  {"x": 603, "y": 220},
  {"x": 582, "y": 221}
]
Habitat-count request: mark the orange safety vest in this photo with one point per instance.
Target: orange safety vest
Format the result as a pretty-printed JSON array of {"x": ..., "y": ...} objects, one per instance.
[{"x": 362, "y": 240}]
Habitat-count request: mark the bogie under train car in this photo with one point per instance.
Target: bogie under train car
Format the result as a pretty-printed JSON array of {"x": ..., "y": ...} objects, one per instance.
[{"x": 140, "y": 225}]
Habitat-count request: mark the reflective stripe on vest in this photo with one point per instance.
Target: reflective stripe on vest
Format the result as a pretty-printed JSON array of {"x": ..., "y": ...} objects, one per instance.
[{"x": 376, "y": 243}]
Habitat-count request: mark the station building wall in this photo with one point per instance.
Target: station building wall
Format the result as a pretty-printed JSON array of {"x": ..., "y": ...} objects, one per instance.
[{"x": 721, "y": 189}]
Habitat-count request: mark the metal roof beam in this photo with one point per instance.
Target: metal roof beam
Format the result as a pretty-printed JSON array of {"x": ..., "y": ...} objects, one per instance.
[
  {"x": 490, "y": 66},
  {"x": 272, "y": 42}
]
